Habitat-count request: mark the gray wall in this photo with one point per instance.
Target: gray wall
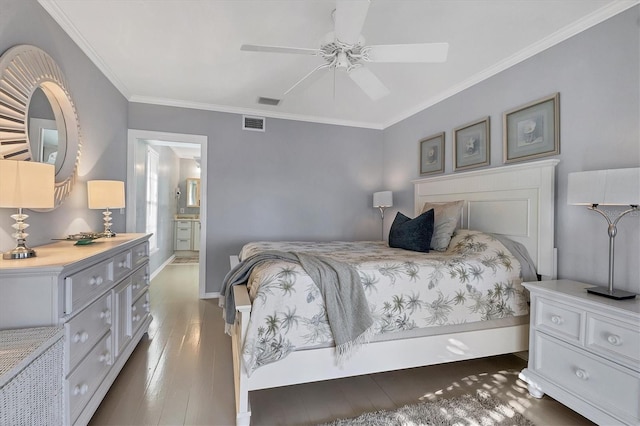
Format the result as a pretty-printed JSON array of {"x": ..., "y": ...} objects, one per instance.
[
  {"x": 296, "y": 181},
  {"x": 597, "y": 75},
  {"x": 102, "y": 112}
]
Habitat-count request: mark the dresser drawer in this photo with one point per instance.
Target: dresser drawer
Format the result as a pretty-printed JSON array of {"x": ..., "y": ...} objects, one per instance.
[
  {"x": 604, "y": 384},
  {"x": 614, "y": 339},
  {"x": 183, "y": 233},
  {"x": 139, "y": 282},
  {"x": 121, "y": 265},
  {"x": 139, "y": 312},
  {"x": 83, "y": 286},
  {"x": 85, "y": 329},
  {"x": 83, "y": 382},
  {"x": 559, "y": 319},
  {"x": 139, "y": 254}
]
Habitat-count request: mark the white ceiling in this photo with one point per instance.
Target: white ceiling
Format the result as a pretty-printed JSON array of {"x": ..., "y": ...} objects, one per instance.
[{"x": 187, "y": 52}]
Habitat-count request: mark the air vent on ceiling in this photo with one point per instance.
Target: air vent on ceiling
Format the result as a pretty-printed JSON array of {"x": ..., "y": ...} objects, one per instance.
[
  {"x": 257, "y": 124},
  {"x": 268, "y": 101}
]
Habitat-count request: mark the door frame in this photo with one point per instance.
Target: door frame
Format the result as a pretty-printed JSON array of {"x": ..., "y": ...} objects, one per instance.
[{"x": 133, "y": 137}]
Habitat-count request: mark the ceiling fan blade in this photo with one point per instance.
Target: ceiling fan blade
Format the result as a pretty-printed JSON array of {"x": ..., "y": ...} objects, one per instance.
[
  {"x": 369, "y": 83},
  {"x": 350, "y": 16},
  {"x": 307, "y": 80},
  {"x": 278, "y": 49},
  {"x": 423, "y": 52}
]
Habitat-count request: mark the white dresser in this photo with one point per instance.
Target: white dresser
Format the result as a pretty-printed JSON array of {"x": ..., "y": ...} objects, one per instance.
[
  {"x": 584, "y": 351},
  {"x": 98, "y": 293}
]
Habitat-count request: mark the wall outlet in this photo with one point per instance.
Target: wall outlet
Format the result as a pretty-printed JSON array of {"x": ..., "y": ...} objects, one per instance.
[{"x": 181, "y": 210}]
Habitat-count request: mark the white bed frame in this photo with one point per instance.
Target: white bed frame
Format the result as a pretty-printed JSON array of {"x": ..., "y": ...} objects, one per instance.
[{"x": 516, "y": 201}]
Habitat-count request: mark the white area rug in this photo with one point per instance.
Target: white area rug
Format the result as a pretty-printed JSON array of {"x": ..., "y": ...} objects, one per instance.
[{"x": 481, "y": 409}]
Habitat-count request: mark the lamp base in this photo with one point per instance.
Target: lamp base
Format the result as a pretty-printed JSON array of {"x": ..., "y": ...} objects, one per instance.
[
  {"x": 615, "y": 294},
  {"x": 20, "y": 252}
]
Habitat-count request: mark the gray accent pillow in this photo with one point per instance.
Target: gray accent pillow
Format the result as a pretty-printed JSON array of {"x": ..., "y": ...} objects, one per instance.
[
  {"x": 446, "y": 217},
  {"x": 412, "y": 234}
]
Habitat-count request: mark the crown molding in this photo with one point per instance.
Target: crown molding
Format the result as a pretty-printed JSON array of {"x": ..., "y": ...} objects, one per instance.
[
  {"x": 559, "y": 36},
  {"x": 63, "y": 20},
  {"x": 250, "y": 111}
]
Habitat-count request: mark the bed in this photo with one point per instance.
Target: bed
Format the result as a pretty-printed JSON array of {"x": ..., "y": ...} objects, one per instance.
[{"x": 516, "y": 202}]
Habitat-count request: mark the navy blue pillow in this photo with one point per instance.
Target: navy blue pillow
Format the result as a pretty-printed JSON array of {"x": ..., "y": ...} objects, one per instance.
[{"x": 412, "y": 234}]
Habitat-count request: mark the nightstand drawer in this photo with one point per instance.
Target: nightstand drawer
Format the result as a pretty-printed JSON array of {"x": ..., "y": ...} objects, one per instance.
[
  {"x": 614, "y": 339},
  {"x": 558, "y": 319},
  {"x": 604, "y": 384}
]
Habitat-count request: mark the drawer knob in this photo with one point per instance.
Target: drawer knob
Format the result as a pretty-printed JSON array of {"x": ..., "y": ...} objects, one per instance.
[
  {"x": 80, "y": 389},
  {"x": 105, "y": 357},
  {"x": 557, "y": 319},
  {"x": 135, "y": 286},
  {"x": 136, "y": 318},
  {"x": 95, "y": 280},
  {"x": 80, "y": 337},
  {"x": 106, "y": 314},
  {"x": 581, "y": 374},
  {"x": 614, "y": 340},
  {"x": 122, "y": 264}
]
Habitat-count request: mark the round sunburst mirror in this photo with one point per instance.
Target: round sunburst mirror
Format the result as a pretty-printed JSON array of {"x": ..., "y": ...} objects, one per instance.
[{"x": 38, "y": 121}]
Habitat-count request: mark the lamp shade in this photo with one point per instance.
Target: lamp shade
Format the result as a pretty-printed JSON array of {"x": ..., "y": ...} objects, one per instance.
[
  {"x": 383, "y": 199},
  {"x": 605, "y": 187},
  {"x": 103, "y": 194},
  {"x": 26, "y": 184}
]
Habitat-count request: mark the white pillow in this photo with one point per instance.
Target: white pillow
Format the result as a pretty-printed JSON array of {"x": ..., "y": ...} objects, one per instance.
[{"x": 445, "y": 219}]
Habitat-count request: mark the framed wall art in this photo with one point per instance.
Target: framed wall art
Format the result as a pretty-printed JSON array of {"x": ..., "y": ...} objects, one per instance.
[
  {"x": 432, "y": 154},
  {"x": 472, "y": 145},
  {"x": 532, "y": 130}
]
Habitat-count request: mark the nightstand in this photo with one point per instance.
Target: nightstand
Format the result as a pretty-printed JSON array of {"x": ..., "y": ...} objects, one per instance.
[{"x": 584, "y": 351}]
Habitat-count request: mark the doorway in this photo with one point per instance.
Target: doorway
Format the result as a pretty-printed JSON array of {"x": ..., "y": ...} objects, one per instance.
[{"x": 138, "y": 142}]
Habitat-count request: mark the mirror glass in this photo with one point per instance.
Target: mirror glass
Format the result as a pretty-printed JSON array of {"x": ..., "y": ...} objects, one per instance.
[
  {"x": 38, "y": 120},
  {"x": 44, "y": 141},
  {"x": 193, "y": 192}
]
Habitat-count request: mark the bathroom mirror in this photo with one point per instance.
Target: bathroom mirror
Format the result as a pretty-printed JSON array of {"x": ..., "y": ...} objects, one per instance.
[
  {"x": 38, "y": 120},
  {"x": 193, "y": 192}
]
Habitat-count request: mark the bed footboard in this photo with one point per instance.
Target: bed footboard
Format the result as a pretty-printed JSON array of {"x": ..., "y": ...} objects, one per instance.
[{"x": 238, "y": 331}]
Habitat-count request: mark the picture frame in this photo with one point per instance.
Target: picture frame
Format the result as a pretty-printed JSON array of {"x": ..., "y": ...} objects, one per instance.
[
  {"x": 532, "y": 131},
  {"x": 432, "y": 154},
  {"x": 472, "y": 145}
]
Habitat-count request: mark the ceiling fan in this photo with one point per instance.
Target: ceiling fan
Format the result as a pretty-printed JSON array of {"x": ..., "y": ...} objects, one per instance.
[{"x": 345, "y": 49}]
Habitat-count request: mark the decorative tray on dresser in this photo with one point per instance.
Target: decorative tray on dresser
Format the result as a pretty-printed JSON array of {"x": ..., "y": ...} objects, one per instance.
[
  {"x": 98, "y": 293},
  {"x": 584, "y": 351}
]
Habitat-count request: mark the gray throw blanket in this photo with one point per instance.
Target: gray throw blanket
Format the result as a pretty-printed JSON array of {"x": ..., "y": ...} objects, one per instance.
[
  {"x": 339, "y": 283},
  {"x": 527, "y": 268}
]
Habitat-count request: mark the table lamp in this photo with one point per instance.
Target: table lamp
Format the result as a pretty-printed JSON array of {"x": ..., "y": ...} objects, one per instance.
[
  {"x": 615, "y": 187},
  {"x": 382, "y": 200},
  {"x": 106, "y": 194},
  {"x": 25, "y": 184}
]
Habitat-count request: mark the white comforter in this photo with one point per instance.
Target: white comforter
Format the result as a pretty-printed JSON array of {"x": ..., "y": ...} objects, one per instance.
[{"x": 476, "y": 279}]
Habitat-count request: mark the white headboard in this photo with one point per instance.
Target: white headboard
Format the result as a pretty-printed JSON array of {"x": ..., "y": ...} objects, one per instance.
[{"x": 516, "y": 201}]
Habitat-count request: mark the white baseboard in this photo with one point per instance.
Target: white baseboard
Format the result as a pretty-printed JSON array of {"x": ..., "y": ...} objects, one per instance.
[
  {"x": 161, "y": 267},
  {"x": 210, "y": 295}
]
